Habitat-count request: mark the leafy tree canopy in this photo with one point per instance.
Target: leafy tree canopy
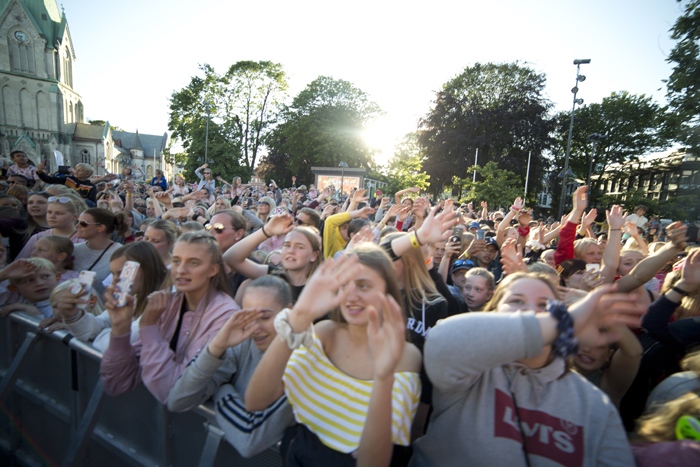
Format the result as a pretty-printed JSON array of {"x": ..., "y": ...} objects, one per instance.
[
  {"x": 242, "y": 103},
  {"x": 499, "y": 109},
  {"x": 498, "y": 187},
  {"x": 632, "y": 126},
  {"x": 405, "y": 168},
  {"x": 683, "y": 86},
  {"x": 322, "y": 127}
]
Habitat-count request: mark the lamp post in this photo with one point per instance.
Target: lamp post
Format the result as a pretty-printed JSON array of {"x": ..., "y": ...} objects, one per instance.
[
  {"x": 581, "y": 78},
  {"x": 206, "y": 137},
  {"x": 343, "y": 166}
]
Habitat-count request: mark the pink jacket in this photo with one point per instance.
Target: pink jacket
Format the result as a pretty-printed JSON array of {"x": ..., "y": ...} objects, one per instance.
[
  {"x": 150, "y": 358},
  {"x": 276, "y": 242}
]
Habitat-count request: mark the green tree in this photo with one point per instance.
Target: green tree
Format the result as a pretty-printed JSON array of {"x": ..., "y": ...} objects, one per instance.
[
  {"x": 499, "y": 109},
  {"x": 498, "y": 187},
  {"x": 683, "y": 91},
  {"x": 322, "y": 127},
  {"x": 405, "y": 168},
  {"x": 242, "y": 103},
  {"x": 632, "y": 126},
  {"x": 677, "y": 208}
]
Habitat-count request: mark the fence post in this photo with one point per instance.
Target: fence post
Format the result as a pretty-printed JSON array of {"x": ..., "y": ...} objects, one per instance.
[{"x": 76, "y": 449}]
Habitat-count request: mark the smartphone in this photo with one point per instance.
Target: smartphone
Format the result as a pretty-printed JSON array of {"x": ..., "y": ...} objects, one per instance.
[
  {"x": 63, "y": 169},
  {"x": 595, "y": 268},
  {"x": 481, "y": 234},
  {"x": 139, "y": 234},
  {"x": 85, "y": 279},
  {"x": 126, "y": 280},
  {"x": 457, "y": 234}
]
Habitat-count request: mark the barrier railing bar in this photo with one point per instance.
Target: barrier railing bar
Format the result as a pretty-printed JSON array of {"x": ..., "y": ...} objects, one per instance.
[
  {"x": 119, "y": 449},
  {"x": 40, "y": 399},
  {"x": 81, "y": 438},
  {"x": 211, "y": 445},
  {"x": 165, "y": 450},
  {"x": 17, "y": 363}
]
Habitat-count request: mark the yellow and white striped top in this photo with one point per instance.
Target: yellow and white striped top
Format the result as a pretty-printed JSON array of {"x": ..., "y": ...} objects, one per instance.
[{"x": 334, "y": 405}]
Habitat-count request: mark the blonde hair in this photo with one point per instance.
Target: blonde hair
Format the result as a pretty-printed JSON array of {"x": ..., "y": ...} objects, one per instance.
[
  {"x": 212, "y": 209},
  {"x": 169, "y": 228},
  {"x": 690, "y": 305},
  {"x": 85, "y": 167},
  {"x": 481, "y": 272},
  {"x": 660, "y": 425},
  {"x": 313, "y": 239},
  {"x": 41, "y": 265},
  {"x": 419, "y": 288},
  {"x": 581, "y": 246},
  {"x": 76, "y": 205},
  {"x": 95, "y": 310}
]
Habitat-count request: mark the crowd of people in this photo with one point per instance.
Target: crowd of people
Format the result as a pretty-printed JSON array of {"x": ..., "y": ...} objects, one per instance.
[{"x": 364, "y": 329}]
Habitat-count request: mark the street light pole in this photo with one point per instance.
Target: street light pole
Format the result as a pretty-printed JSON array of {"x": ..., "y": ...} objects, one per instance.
[
  {"x": 206, "y": 137},
  {"x": 595, "y": 138},
  {"x": 579, "y": 77},
  {"x": 343, "y": 166}
]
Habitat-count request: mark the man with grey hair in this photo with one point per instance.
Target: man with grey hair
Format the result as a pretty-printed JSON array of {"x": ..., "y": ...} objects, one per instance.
[{"x": 79, "y": 180}]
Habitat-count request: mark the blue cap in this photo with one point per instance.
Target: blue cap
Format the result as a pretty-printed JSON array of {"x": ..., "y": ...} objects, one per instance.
[{"x": 474, "y": 225}]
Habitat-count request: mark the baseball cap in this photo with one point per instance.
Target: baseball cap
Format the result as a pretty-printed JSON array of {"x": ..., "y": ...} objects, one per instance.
[
  {"x": 461, "y": 264},
  {"x": 492, "y": 241},
  {"x": 474, "y": 225}
]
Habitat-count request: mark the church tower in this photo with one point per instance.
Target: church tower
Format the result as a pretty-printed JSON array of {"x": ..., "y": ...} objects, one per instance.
[{"x": 39, "y": 108}]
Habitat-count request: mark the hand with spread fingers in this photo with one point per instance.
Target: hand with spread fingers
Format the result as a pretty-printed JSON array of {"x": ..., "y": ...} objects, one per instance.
[
  {"x": 239, "y": 327},
  {"x": 386, "y": 335}
]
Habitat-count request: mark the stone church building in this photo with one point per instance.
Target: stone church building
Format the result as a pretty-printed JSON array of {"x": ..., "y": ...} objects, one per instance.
[{"x": 40, "y": 110}]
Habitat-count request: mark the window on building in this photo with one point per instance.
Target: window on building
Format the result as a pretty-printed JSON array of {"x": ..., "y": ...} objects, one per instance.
[{"x": 85, "y": 156}]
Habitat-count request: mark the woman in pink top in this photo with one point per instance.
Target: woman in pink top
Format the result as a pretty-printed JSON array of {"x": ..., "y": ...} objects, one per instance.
[
  {"x": 61, "y": 215},
  {"x": 175, "y": 327}
]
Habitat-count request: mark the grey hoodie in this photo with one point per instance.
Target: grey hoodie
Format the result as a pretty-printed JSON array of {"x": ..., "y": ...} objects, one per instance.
[
  {"x": 226, "y": 379},
  {"x": 479, "y": 391}
]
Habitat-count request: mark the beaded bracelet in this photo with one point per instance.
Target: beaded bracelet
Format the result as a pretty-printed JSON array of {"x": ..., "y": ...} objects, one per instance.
[{"x": 566, "y": 344}]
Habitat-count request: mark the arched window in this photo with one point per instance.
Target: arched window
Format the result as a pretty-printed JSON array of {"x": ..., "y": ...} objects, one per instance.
[
  {"x": 149, "y": 172},
  {"x": 85, "y": 156}
]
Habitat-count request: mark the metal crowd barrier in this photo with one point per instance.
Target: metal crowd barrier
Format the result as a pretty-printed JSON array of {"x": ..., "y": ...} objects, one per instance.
[{"x": 53, "y": 411}]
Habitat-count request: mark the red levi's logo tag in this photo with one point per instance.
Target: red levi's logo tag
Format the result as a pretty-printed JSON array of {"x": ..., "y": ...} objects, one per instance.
[{"x": 547, "y": 436}]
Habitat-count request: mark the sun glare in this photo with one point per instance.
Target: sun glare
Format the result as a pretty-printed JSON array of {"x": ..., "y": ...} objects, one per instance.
[{"x": 380, "y": 135}]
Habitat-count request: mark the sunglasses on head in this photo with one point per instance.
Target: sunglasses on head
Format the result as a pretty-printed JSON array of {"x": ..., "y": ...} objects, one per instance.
[
  {"x": 59, "y": 199},
  {"x": 264, "y": 202}
]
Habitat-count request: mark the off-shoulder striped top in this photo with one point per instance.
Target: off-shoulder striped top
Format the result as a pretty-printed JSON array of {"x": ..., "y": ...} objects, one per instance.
[{"x": 334, "y": 405}]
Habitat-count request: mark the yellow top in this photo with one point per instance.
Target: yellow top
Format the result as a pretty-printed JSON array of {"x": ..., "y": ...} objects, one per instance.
[
  {"x": 334, "y": 405},
  {"x": 333, "y": 242}
]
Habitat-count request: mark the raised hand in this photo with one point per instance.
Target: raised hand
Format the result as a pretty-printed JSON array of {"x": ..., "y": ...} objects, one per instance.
[
  {"x": 451, "y": 249},
  {"x": 359, "y": 196},
  {"x": 436, "y": 228},
  {"x": 204, "y": 166},
  {"x": 403, "y": 213},
  {"x": 519, "y": 203},
  {"x": 239, "y": 327},
  {"x": 157, "y": 303},
  {"x": 570, "y": 296},
  {"x": 414, "y": 189},
  {"x": 589, "y": 218},
  {"x": 615, "y": 217},
  {"x": 363, "y": 213},
  {"x": 484, "y": 205},
  {"x": 364, "y": 235},
  {"x": 677, "y": 233},
  {"x": 690, "y": 274},
  {"x": 511, "y": 258},
  {"x": 419, "y": 206},
  {"x": 386, "y": 336},
  {"x": 601, "y": 310},
  {"x": 279, "y": 224},
  {"x": 581, "y": 198},
  {"x": 325, "y": 290},
  {"x": 630, "y": 229}
]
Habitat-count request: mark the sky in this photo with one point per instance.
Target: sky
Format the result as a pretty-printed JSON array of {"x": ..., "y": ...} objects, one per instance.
[{"x": 131, "y": 55}]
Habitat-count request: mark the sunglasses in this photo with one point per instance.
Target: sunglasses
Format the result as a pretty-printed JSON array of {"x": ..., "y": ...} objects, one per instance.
[
  {"x": 207, "y": 173},
  {"x": 300, "y": 223},
  {"x": 59, "y": 199},
  {"x": 264, "y": 202},
  {"x": 84, "y": 224},
  {"x": 218, "y": 228}
]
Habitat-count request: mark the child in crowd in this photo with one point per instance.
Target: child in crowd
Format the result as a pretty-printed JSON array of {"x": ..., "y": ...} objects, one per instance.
[
  {"x": 58, "y": 250},
  {"x": 34, "y": 283}
]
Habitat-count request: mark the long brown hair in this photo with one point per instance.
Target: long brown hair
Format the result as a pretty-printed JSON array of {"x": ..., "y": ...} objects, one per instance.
[
  {"x": 315, "y": 243},
  {"x": 153, "y": 270},
  {"x": 375, "y": 258},
  {"x": 110, "y": 220}
]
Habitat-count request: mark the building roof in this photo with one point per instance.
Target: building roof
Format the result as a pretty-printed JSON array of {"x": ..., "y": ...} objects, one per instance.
[
  {"x": 88, "y": 131},
  {"x": 52, "y": 27},
  {"x": 148, "y": 143}
]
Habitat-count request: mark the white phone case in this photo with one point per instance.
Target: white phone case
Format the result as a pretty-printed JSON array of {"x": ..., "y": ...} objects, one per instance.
[{"x": 126, "y": 280}]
